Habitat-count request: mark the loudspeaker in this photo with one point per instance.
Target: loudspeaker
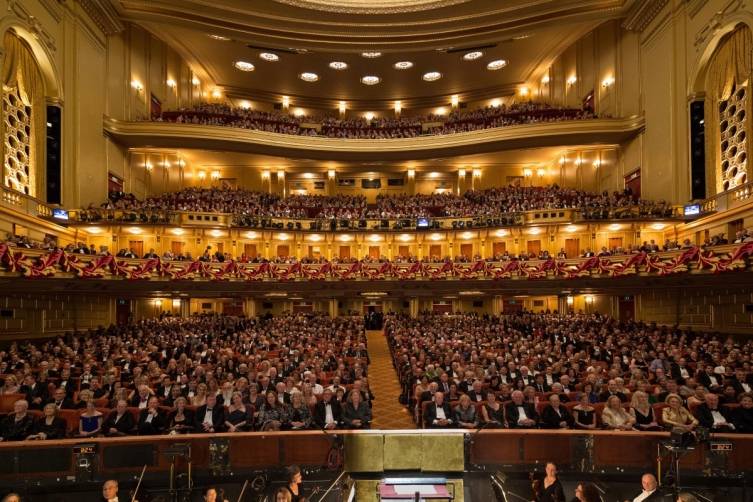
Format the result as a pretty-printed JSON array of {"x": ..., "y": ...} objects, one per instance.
[
  {"x": 52, "y": 165},
  {"x": 697, "y": 150}
]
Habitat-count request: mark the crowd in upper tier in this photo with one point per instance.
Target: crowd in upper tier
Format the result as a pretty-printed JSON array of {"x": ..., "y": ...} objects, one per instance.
[
  {"x": 200, "y": 374},
  {"x": 570, "y": 371},
  {"x": 491, "y": 202},
  {"x": 375, "y": 128}
]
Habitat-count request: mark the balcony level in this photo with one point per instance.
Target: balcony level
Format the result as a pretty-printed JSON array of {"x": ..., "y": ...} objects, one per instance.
[{"x": 607, "y": 131}]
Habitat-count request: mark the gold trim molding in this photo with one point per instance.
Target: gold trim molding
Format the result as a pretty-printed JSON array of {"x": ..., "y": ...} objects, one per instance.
[
  {"x": 103, "y": 14},
  {"x": 372, "y": 7},
  {"x": 643, "y": 13}
]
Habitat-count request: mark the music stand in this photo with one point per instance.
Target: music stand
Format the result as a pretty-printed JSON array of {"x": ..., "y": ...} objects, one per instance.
[{"x": 173, "y": 453}]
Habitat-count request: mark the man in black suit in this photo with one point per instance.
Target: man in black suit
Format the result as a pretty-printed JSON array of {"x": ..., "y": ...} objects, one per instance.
[
  {"x": 36, "y": 393},
  {"x": 521, "y": 415},
  {"x": 612, "y": 391},
  {"x": 525, "y": 376},
  {"x": 438, "y": 414},
  {"x": 476, "y": 393},
  {"x": 444, "y": 383},
  {"x": 650, "y": 492},
  {"x": 742, "y": 416},
  {"x": 119, "y": 422},
  {"x": 328, "y": 411},
  {"x": 428, "y": 395},
  {"x": 712, "y": 417},
  {"x": 210, "y": 417},
  {"x": 540, "y": 384},
  {"x": 151, "y": 420},
  {"x": 61, "y": 400},
  {"x": 556, "y": 416}
]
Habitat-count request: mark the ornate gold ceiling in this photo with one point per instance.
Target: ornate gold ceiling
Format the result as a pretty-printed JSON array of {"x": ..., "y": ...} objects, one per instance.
[{"x": 371, "y": 6}]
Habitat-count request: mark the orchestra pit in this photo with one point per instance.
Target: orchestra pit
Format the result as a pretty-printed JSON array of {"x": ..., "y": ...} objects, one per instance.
[{"x": 376, "y": 250}]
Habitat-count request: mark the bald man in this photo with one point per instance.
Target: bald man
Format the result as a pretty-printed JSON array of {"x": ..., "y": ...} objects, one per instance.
[{"x": 649, "y": 493}]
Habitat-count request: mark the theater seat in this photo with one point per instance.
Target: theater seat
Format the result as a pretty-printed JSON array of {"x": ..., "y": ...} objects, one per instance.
[
  {"x": 7, "y": 400},
  {"x": 71, "y": 418},
  {"x": 658, "y": 412}
]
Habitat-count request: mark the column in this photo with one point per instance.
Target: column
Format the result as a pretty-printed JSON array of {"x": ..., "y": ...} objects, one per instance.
[
  {"x": 333, "y": 308},
  {"x": 249, "y": 307},
  {"x": 497, "y": 305},
  {"x": 562, "y": 306},
  {"x": 185, "y": 307},
  {"x": 414, "y": 307}
]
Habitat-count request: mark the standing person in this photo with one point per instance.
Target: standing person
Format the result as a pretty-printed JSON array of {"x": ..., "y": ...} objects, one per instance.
[{"x": 551, "y": 488}]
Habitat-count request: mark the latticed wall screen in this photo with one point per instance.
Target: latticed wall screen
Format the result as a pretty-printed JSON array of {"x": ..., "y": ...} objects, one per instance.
[
  {"x": 16, "y": 142},
  {"x": 733, "y": 138}
]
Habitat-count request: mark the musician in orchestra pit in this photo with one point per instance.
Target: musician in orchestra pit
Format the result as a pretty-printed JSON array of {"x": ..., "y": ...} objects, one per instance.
[
  {"x": 110, "y": 491},
  {"x": 211, "y": 495},
  {"x": 293, "y": 487}
]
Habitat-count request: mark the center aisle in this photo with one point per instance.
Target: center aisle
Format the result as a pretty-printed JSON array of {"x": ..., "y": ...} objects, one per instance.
[{"x": 387, "y": 412}]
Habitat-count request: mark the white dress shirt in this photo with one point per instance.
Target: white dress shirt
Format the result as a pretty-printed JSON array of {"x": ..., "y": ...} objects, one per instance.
[
  {"x": 643, "y": 496},
  {"x": 522, "y": 414},
  {"x": 329, "y": 418}
]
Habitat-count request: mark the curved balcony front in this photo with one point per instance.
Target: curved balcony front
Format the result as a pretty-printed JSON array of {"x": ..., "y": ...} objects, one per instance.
[{"x": 610, "y": 131}]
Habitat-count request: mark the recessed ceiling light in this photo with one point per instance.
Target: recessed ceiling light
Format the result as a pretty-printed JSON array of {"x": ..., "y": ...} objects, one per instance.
[
  {"x": 496, "y": 64},
  {"x": 269, "y": 56},
  {"x": 432, "y": 76},
  {"x": 308, "y": 76},
  {"x": 403, "y": 65},
  {"x": 338, "y": 65},
  {"x": 244, "y": 66},
  {"x": 370, "y": 80},
  {"x": 470, "y": 56},
  {"x": 371, "y": 54},
  {"x": 219, "y": 37}
]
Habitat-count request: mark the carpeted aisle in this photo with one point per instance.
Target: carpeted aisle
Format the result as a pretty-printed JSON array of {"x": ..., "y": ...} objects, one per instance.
[{"x": 387, "y": 411}]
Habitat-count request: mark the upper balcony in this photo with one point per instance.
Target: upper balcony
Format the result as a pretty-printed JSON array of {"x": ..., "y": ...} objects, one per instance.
[{"x": 601, "y": 131}]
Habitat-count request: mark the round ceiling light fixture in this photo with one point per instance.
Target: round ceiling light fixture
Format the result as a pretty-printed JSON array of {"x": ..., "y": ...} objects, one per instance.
[
  {"x": 269, "y": 56},
  {"x": 338, "y": 65},
  {"x": 432, "y": 76},
  {"x": 403, "y": 65},
  {"x": 370, "y": 80},
  {"x": 371, "y": 54},
  {"x": 473, "y": 55},
  {"x": 308, "y": 76},
  {"x": 497, "y": 64},
  {"x": 244, "y": 66}
]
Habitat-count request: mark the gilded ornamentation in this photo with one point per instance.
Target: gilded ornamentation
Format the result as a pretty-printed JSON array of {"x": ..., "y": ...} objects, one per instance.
[
  {"x": 371, "y": 6},
  {"x": 16, "y": 142},
  {"x": 733, "y": 138},
  {"x": 716, "y": 22}
]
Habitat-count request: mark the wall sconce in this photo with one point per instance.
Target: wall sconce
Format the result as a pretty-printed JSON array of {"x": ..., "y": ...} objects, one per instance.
[
  {"x": 195, "y": 81},
  {"x": 578, "y": 161},
  {"x": 495, "y": 103},
  {"x": 545, "y": 79},
  {"x": 608, "y": 81},
  {"x": 280, "y": 175},
  {"x": 285, "y": 102},
  {"x": 342, "y": 107},
  {"x": 216, "y": 93},
  {"x": 411, "y": 173},
  {"x": 454, "y": 100},
  {"x": 331, "y": 174},
  {"x": 181, "y": 163},
  {"x": 540, "y": 173},
  {"x": 570, "y": 300},
  {"x": 265, "y": 175},
  {"x": 202, "y": 175},
  {"x": 523, "y": 91},
  {"x": 461, "y": 173},
  {"x": 398, "y": 107},
  {"x": 597, "y": 164},
  {"x": 245, "y": 104},
  {"x": 171, "y": 83},
  {"x": 138, "y": 86},
  {"x": 215, "y": 175},
  {"x": 148, "y": 166},
  {"x": 369, "y": 116},
  {"x": 562, "y": 160},
  {"x": 527, "y": 173},
  {"x": 589, "y": 299},
  {"x": 572, "y": 80},
  {"x": 477, "y": 173}
]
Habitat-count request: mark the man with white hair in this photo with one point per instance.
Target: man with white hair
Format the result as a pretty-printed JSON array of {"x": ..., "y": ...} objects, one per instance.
[
  {"x": 17, "y": 426},
  {"x": 110, "y": 491},
  {"x": 316, "y": 388}
]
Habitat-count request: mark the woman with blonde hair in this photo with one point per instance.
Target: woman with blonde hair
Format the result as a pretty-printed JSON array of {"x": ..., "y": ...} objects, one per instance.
[
  {"x": 10, "y": 386},
  {"x": 643, "y": 413},
  {"x": 614, "y": 415},
  {"x": 200, "y": 398},
  {"x": 676, "y": 416}
]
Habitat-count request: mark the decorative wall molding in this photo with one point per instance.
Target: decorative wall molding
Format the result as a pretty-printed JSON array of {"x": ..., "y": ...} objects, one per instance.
[
  {"x": 694, "y": 6},
  {"x": 717, "y": 22},
  {"x": 34, "y": 25},
  {"x": 643, "y": 13},
  {"x": 103, "y": 14}
]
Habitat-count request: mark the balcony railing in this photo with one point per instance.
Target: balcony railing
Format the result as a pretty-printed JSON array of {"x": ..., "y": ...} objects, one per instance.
[
  {"x": 41, "y": 264},
  {"x": 730, "y": 199},
  {"x": 24, "y": 203}
]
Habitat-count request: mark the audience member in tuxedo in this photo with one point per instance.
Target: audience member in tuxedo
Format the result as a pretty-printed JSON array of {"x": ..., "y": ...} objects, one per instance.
[
  {"x": 476, "y": 393},
  {"x": 181, "y": 420},
  {"x": 120, "y": 421},
  {"x": 584, "y": 415},
  {"x": 328, "y": 412},
  {"x": 18, "y": 425},
  {"x": 612, "y": 390},
  {"x": 492, "y": 412},
  {"x": 210, "y": 417},
  {"x": 438, "y": 414},
  {"x": 444, "y": 383},
  {"x": 550, "y": 489},
  {"x": 741, "y": 382},
  {"x": 711, "y": 416},
  {"x": 48, "y": 426},
  {"x": 649, "y": 491},
  {"x": 356, "y": 412},
  {"x": 465, "y": 413},
  {"x": 520, "y": 414},
  {"x": 643, "y": 413},
  {"x": 540, "y": 384},
  {"x": 556, "y": 416},
  {"x": 151, "y": 421},
  {"x": 140, "y": 399},
  {"x": 36, "y": 393},
  {"x": 61, "y": 400},
  {"x": 706, "y": 377},
  {"x": 742, "y": 416}
]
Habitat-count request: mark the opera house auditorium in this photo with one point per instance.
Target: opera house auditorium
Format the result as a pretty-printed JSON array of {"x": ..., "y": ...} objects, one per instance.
[{"x": 386, "y": 250}]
